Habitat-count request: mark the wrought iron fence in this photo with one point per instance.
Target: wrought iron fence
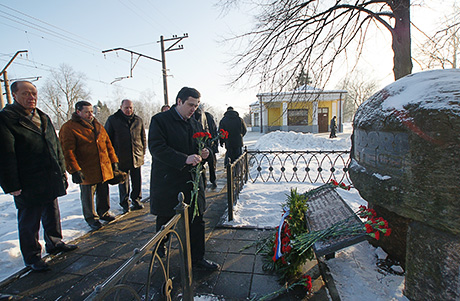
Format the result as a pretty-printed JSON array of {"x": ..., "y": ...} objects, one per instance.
[
  {"x": 299, "y": 166},
  {"x": 289, "y": 166},
  {"x": 118, "y": 286},
  {"x": 237, "y": 176}
]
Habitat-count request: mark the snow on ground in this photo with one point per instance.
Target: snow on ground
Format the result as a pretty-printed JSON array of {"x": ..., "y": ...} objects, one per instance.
[{"x": 354, "y": 268}]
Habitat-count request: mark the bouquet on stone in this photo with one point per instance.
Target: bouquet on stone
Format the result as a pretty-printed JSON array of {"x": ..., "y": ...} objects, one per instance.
[{"x": 203, "y": 138}]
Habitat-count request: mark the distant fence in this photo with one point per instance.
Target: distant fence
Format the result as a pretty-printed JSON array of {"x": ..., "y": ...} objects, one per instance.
[
  {"x": 121, "y": 286},
  {"x": 288, "y": 166}
]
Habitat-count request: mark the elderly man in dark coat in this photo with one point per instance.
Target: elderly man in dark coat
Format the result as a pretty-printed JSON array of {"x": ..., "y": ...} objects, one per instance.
[
  {"x": 33, "y": 171},
  {"x": 174, "y": 154},
  {"x": 127, "y": 133},
  {"x": 236, "y": 128}
]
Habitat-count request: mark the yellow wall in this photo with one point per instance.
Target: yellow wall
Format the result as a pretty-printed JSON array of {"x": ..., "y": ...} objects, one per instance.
[
  {"x": 274, "y": 118},
  {"x": 328, "y": 104}
]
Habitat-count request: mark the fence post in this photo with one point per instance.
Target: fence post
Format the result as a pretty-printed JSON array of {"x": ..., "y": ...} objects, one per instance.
[
  {"x": 184, "y": 232},
  {"x": 230, "y": 190},
  {"x": 246, "y": 165}
]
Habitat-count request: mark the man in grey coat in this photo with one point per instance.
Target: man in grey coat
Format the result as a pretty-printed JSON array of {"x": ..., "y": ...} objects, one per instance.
[
  {"x": 33, "y": 172},
  {"x": 127, "y": 133}
]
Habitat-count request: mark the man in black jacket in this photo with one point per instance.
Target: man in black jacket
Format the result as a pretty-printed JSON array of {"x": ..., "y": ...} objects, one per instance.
[
  {"x": 236, "y": 128},
  {"x": 127, "y": 133},
  {"x": 33, "y": 171},
  {"x": 174, "y": 153}
]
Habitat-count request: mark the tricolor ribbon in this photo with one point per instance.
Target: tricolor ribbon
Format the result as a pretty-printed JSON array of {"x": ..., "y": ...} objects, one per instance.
[{"x": 278, "y": 253}]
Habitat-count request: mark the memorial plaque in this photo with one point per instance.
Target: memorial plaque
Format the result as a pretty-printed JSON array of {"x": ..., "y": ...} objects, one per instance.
[{"x": 326, "y": 208}]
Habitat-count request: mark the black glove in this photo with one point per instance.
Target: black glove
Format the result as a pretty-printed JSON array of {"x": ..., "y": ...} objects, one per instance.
[
  {"x": 114, "y": 166},
  {"x": 66, "y": 184},
  {"x": 77, "y": 177}
]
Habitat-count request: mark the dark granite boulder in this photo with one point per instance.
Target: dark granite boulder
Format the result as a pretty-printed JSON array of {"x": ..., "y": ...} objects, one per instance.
[{"x": 406, "y": 148}]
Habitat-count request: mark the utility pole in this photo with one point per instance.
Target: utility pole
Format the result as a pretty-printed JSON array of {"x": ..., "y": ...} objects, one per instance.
[
  {"x": 163, "y": 59},
  {"x": 5, "y": 78}
]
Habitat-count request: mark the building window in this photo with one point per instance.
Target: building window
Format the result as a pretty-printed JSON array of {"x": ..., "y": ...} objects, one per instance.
[
  {"x": 256, "y": 119},
  {"x": 298, "y": 117}
]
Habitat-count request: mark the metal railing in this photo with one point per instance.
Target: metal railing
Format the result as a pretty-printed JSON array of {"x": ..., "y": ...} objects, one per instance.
[
  {"x": 288, "y": 166},
  {"x": 237, "y": 176},
  {"x": 117, "y": 286}
]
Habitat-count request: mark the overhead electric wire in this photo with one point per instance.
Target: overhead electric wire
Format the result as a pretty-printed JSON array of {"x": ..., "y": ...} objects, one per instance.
[{"x": 53, "y": 26}]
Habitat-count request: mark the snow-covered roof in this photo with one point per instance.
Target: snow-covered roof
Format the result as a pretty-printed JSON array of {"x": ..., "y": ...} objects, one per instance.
[{"x": 302, "y": 90}]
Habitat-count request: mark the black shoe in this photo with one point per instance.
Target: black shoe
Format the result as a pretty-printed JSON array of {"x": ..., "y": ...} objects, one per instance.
[
  {"x": 62, "y": 247},
  {"x": 206, "y": 264},
  {"x": 39, "y": 266},
  {"x": 137, "y": 206},
  {"x": 96, "y": 225},
  {"x": 107, "y": 217},
  {"x": 125, "y": 208},
  {"x": 213, "y": 185}
]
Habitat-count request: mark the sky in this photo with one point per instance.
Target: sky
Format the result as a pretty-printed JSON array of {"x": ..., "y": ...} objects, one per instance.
[{"x": 76, "y": 33}]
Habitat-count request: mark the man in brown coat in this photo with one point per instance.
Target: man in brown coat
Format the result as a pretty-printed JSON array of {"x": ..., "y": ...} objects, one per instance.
[{"x": 91, "y": 160}]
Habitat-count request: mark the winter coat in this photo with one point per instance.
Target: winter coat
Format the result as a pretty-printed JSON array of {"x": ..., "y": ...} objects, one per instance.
[
  {"x": 236, "y": 128},
  {"x": 170, "y": 143},
  {"x": 31, "y": 158},
  {"x": 127, "y": 135},
  {"x": 212, "y": 130},
  {"x": 87, "y": 147},
  {"x": 333, "y": 125},
  {"x": 209, "y": 125}
]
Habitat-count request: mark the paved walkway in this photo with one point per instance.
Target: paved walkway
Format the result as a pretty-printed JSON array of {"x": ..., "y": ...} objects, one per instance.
[{"x": 74, "y": 275}]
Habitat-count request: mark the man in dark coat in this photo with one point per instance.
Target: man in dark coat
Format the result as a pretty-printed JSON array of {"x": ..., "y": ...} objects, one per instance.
[
  {"x": 333, "y": 128},
  {"x": 127, "y": 133},
  {"x": 236, "y": 128},
  {"x": 174, "y": 154},
  {"x": 33, "y": 171}
]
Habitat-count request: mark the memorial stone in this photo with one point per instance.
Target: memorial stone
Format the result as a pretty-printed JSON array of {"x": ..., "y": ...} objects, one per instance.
[{"x": 406, "y": 161}]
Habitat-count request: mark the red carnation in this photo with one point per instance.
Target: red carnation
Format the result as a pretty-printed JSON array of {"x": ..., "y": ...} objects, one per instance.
[
  {"x": 369, "y": 228},
  {"x": 387, "y": 232},
  {"x": 308, "y": 284}
]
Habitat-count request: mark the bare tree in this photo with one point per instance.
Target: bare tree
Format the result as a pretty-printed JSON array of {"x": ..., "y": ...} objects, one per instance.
[
  {"x": 147, "y": 106},
  {"x": 442, "y": 49},
  {"x": 62, "y": 90},
  {"x": 295, "y": 35},
  {"x": 360, "y": 87}
]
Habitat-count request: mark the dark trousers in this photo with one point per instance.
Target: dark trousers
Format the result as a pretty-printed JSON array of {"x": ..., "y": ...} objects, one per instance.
[
  {"x": 29, "y": 225},
  {"x": 232, "y": 153},
  {"x": 212, "y": 170},
  {"x": 212, "y": 167},
  {"x": 333, "y": 133},
  {"x": 197, "y": 242},
  {"x": 134, "y": 174},
  {"x": 87, "y": 192}
]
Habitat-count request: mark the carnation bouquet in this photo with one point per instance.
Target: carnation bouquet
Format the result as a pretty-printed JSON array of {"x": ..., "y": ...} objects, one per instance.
[{"x": 203, "y": 139}]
